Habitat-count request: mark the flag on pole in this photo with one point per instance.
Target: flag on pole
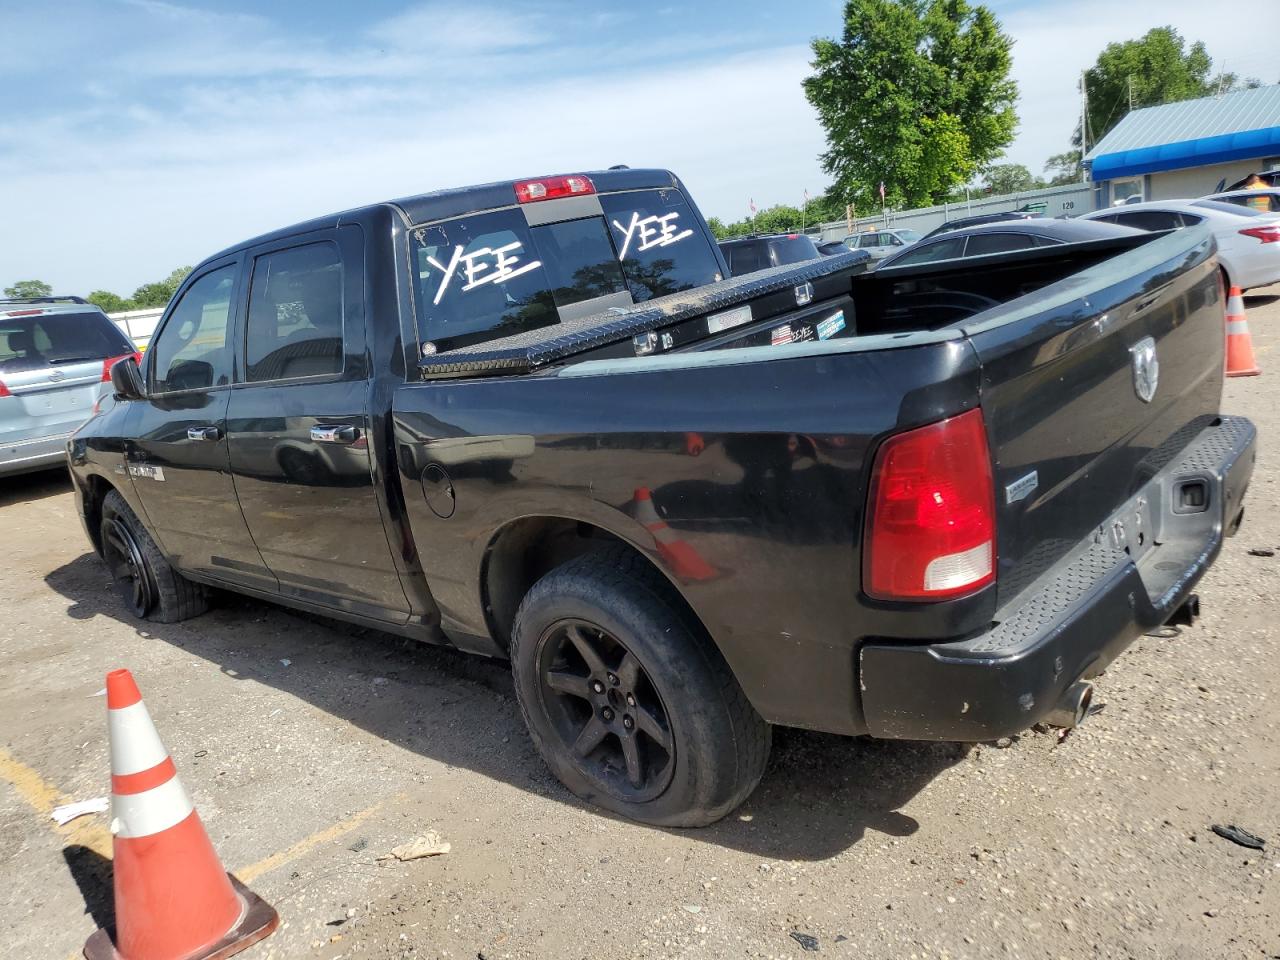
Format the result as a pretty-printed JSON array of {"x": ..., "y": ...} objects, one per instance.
[
  {"x": 882, "y": 191},
  {"x": 806, "y": 196},
  {"x": 752, "y": 205}
]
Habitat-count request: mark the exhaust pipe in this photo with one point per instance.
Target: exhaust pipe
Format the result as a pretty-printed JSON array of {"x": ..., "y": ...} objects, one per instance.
[{"x": 1073, "y": 707}]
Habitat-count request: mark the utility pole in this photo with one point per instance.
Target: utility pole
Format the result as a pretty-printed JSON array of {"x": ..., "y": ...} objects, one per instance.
[
  {"x": 1131, "y": 93},
  {"x": 1084, "y": 121}
]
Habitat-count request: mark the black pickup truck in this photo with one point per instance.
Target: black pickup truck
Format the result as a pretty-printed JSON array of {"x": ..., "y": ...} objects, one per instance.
[{"x": 538, "y": 420}]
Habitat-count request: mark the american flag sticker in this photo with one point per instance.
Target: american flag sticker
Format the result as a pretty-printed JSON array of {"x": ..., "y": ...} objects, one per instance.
[{"x": 781, "y": 335}]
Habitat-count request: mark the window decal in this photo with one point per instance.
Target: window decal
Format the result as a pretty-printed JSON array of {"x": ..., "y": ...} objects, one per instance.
[
  {"x": 652, "y": 231},
  {"x": 474, "y": 266}
]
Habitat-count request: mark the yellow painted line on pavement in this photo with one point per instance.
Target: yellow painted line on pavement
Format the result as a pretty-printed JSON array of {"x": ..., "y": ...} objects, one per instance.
[
  {"x": 307, "y": 844},
  {"x": 42, "y": 796}
]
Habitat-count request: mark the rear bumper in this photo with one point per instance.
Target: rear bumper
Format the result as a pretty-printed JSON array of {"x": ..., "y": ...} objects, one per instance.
[
  {"x": 1074, "y": 620},
  {"x": 39, "y": 454}
]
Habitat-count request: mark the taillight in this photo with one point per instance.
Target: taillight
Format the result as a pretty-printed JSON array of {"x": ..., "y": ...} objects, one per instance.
[
  {"x": 4, "y": 391},
  {"x": 110, "y": 361},
  {"x": 1269, "y": 234},
  {"x": 930, "y": 531},
  {"x": 549, "y": 188}
]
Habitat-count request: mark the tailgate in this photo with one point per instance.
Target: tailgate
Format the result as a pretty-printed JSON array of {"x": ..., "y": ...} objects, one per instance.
[{"x": 1089, "y": 387}]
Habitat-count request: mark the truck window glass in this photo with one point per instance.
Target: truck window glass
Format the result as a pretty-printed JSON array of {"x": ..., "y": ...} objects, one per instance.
[
  {"x": 662, "y": 245},
  {"x": 579, "y": 263},
  {"x": 746, "y": 259},
  {"x": 295, "y": 314},
  {"x": 192, "y": 352},
  {"x": 480, "y": 278}
]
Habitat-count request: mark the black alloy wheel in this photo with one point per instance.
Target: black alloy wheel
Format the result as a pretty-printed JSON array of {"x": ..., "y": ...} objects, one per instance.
[
  {"x": 128, "y": 567},
  {"x": 606, "y": 710}
]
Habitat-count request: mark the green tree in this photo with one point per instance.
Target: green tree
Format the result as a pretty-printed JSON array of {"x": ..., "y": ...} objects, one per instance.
[
  {"x": 1063, "y": 168},
  {"x": 23, "y": 289},
  {"x": 915, "y": 94},
  {"x": 1157, "y": 68},
  {"x": 158, "y": 294},
  {"x": 109, "y": 302},
  {"x": 1009, "y": 178}
]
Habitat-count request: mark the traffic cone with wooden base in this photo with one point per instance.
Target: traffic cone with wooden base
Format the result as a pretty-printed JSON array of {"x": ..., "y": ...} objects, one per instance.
[
  {"x": 1240, "y": 359},
  {"x": 173, "y": 899},
  {"x": 684, "y": 561}
]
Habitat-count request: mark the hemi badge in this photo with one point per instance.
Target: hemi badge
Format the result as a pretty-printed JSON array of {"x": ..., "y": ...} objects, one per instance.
[{"x": 1021, "y": 488}]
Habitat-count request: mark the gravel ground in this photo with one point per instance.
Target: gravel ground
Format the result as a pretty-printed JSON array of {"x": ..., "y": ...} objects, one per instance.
[{"x": 312, "y": 748}]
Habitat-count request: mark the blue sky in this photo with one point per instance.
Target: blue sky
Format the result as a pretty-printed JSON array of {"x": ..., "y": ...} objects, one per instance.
[{"x": 137, "y": 135}]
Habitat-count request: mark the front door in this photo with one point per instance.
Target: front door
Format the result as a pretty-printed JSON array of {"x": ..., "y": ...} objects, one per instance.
[
  {"x": 177, "y": 454},
  {"x": 298, "y": 426}
]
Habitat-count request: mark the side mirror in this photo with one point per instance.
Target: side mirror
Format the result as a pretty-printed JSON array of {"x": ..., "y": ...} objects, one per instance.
[{"x": 126, "y": 380}]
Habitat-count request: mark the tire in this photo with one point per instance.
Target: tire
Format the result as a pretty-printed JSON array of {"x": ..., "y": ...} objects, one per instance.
[
  {"x": 149, "y": 586},
  {"x": 697, "y": 746}
]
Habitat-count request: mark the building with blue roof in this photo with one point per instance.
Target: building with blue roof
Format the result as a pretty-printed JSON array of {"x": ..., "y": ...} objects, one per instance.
[{"x": 1187, "y": 149}]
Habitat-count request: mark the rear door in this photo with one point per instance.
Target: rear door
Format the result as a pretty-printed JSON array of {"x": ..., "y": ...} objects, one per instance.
[
  {"x": 176, "y": 451},
  {"x": 1091, "y": 386},
  {"x": 299, "y": 426}
]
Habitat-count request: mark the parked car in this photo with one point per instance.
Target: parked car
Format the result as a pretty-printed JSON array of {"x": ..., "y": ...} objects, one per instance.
[
  {"x": 961, "y": 223},
  {"x": 881, "y": 243},
  {"x": 55, "y": 354},
  {"x": 1262, "y": 200},
  {"x": 684, "y": 507},
  {"x": 994, "y": 237},
  {"x": 1270, "y": 176},
  {"x": 1248, "y": 240},
  {"x": 760, "y": 252}
]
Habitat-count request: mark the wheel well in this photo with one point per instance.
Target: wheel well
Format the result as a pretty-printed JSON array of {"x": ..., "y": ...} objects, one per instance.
[
  {"x": 96, "y": 491},
  {"x": 528, "y": 549}
]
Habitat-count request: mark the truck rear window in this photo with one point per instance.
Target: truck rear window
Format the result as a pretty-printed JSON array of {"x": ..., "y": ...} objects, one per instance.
[{"x": 491, "y": 275}]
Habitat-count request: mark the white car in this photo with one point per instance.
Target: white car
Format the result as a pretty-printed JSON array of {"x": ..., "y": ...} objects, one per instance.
[
  {"x": 1262, "y": 199},
  {"x": 1248, "y": 240}
]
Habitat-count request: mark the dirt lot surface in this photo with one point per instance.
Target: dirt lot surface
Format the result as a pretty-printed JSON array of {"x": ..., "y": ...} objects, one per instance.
[{"x": 312, "y": 748}]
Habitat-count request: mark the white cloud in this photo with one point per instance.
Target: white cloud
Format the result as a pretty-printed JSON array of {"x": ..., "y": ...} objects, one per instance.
[
  {"x": 208, "y": 128},
  {"x": 111, "y": 197}
]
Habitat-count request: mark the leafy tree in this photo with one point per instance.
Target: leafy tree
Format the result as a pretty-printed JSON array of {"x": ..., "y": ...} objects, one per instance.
[
  {"x": 29, "y": 288},
  {"x": 776, "y": 219},
  {"x": 915, "y": 94},
  {"x": 1009, "y": 178},
  {"x": 1063, "y": 168},
  {"x": 1157, "y": 68},
  {"x": 160, "y": 293},
  {"x": 110, "y": 302}
]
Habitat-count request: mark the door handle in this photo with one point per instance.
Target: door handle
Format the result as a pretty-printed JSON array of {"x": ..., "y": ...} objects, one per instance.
[
  {"x": 203, "y": 433},
  {"x": 334, "y": 433}
]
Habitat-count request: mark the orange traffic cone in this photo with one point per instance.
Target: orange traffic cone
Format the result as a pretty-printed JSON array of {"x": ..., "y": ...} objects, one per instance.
[
  {"x": 173, "y": 899},
  {"x": 1240, "y": 359},
  {"x": 685, "y": 562}
]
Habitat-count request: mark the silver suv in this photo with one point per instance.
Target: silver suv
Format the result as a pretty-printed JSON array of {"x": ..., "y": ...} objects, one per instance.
[
  {"x": 881, "y": 243},
  {"x": 55, "y": 355}
]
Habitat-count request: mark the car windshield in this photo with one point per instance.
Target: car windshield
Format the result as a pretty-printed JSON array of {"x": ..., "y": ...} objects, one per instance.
[
  {"x": 45, "y": 339},
  {"x": 1223, "y": 207},
  {"x": 492, "y": 275}
]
